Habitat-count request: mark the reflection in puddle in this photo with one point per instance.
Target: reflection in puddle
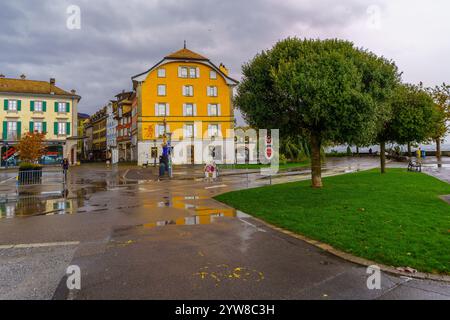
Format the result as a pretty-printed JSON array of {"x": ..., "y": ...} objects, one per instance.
[{"x": 31, "y": 206}]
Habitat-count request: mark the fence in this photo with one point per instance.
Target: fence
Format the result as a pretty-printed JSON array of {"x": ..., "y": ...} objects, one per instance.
[{"x": 40, "y": 177}]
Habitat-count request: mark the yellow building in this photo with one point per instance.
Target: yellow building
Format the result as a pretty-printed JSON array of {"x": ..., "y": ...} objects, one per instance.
[
  {"x": 82, "y": 119},
  {"x": 189, "y": 99},
  {"x": 29, "y": 105}
]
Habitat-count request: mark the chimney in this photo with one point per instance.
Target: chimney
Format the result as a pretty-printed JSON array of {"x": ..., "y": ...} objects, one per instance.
[
  {"x": 73, "y": 91},
  {"x": 52, "y": 81},
  {"x": 223, "y": 69},
  {"x": 23, "y": 77}
]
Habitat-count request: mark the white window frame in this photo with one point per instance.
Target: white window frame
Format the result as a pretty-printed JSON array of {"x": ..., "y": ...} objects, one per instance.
[
  {"x": 189, "y": 133},
  {"x": 188, "y": 90},
  {"x": 210, "y": 130},
  {"x": 186, "y": 110},
  {"x": 37, "y": 126},
  {"x": 184, "y": 72},
  {"x": 162, "y": 90},
  {"x": 38, "y": 106},
  {"x": 62, "y": 128},
  {"x": 11, "y": 130},
  {"x": 212, "y": 91},
  {"x": 162, "y": 107},
  {"x": 12, "y": 105},
  {"x": 61, "y": 107},
  {"x": 160, "y": 129},
  {"x": 192, "y": 72},
  {"x": 212, "y": 74},
  {"x": 161, "y": 73}
]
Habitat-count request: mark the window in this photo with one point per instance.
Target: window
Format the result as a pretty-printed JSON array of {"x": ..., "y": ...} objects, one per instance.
[
  {"x": 12, "y": 105},
  {"x": 37, "y": 126},
  {"x": 212, "y": 91},
  {"x": 188, "y": 91},
  {"x": 61, "y": 128},
  {"x": 183, "y": 72},
  {"x": 189, "y": 130},
  {"x": 213, "y": 74},
  {"x": 61, "y": 107},
  {"x": 161, "y": 73},
  {"x": 161, "y": 90},
  {"x": 161, "y": 110},
  {"x": 192, "y": 72},
  {"x": 189, "y": 109},
  {"x": 213, "y": 110},
  {"x": 12, "y": 130},
  {"x": 160, "y": 129},
  {"x": 213, "y": 130},
  {"x": 38, "y": 106}
]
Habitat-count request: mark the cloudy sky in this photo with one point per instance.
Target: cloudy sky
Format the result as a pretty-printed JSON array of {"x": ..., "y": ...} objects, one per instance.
[{"x": 119, "y": 39}]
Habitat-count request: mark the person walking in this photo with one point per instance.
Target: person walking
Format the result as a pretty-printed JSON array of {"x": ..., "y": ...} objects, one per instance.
[{"x": 65, "y": 167}]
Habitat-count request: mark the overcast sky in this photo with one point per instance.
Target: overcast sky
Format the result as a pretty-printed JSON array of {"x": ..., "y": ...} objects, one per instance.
[{"x": 119, "y": 39}]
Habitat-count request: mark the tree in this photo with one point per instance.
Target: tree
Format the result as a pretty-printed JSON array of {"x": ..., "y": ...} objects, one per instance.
[
  {"x": 31, "y": 147},
  {"x": 441, "y": 97},
  {"x": 412, "y": 117},
  {"x": 322, "y": 90}
]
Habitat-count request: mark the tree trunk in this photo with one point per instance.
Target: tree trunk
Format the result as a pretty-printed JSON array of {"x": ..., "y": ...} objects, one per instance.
[
  {"x": 383, "y": 156},
  {"x": 316, "y": 170},
  {"x": 438, "y": 149},
  {"x": 409, "y": 150},
  {"x": 357, "y": 151}
]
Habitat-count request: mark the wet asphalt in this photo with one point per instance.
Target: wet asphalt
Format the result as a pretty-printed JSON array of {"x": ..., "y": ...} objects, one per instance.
[{"x": 137, "y": 238}]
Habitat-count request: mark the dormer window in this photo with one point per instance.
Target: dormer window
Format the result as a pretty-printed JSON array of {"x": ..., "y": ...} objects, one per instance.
[
  {"x": 161, "y": 73},
  {"x": 213, "y": 75}
]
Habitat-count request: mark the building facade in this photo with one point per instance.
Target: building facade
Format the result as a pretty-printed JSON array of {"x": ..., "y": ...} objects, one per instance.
[
  {"x": 111, "y": 132},
  {"x": 30, "y": 105},
  {"x": 98, "y": 123},
  {"x": 123, "y": 116},
  {"x": 82, "y": 118},
  {"x": 188, "y": 100}
]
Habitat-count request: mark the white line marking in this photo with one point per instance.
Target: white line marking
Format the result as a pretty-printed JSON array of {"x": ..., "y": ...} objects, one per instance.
[
  {"x": 251, "y": 224},
  {"x": 218, "y": 186},
  {"x": 7, "y": 180},
  {"x": 39, "y": 245}
]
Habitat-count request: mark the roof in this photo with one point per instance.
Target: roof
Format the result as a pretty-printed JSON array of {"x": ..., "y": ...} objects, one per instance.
[
  {"x": 83, "y": 115},
  {"x": 185, "y": 54},
  {"x": 32, "y": 87}
]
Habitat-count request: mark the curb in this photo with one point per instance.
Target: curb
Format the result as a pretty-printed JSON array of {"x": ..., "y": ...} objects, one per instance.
[{"x": 354, "y": 259}]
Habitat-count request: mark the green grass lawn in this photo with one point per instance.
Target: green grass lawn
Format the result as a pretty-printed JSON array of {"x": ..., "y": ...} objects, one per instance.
[
  {"x": 283, "y": 166},
  {"x": 396, "y": 219}
]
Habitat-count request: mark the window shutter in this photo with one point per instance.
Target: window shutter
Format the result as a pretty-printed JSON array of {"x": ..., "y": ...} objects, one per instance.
[
  {"x": 219, "y": 112},
  {"x": 167, "y": 109},
  {"x": 19, "y": 105},
  {"x": 67, "y": 107},
  {"x": 209, "y": 130},
  {"x": 31, "y": 106},
  {"x": 179, "y": 72},
  {"x": 207, "y": 91},
  {"x": 5, "y": 105},
  {"x": 44, "y": 106},
  {"x": 183, "y": 89},
  {"x": 19, "y": 129},
  {"x": 194, "y": 112},
  {"x": 31, "y": 129},
  {"x": 44, "y": 127},
  {"x": 185, "y": 131},
  {"x": 56, "y": 106},
  {"x": 157, "y": 130},
  {"x": 195, "y": 130},
  {"x": 68, "y": 128},
  {"x": 156, "y": 110},
  {"x": 198, "y": 72},
  {"x": 55, "y": 128},
  {"x": 220, "y": 130},
  {"x": 191, "y": 91},
  {"x": 5, "y": 129},
  {"x": 167, "y": 128},
  {"x": 184, "y": 109},
  {"x": 209, "y": 110}
]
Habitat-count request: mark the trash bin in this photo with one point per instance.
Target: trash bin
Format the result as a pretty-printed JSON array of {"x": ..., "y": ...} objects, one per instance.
[{"x": 424, "y": 154}]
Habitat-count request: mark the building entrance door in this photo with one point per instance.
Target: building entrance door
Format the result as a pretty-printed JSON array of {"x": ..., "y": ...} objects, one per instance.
[{"x": 190, "y": 154}]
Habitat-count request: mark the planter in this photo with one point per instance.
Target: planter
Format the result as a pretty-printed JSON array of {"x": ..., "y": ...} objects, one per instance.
[{"x": 29, "y": 176}]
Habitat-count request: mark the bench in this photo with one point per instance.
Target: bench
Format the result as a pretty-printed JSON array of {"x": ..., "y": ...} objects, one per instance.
[{"x": 415, "y": 166}]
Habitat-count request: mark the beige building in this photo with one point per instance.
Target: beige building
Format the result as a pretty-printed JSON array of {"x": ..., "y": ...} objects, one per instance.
[{"x": 30, "y": 105}]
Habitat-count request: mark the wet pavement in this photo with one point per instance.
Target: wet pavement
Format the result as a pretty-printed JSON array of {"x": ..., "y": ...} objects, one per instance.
[{"x": 143, "y": 239}]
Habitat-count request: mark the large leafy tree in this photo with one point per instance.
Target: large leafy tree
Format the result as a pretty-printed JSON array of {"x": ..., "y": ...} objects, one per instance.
[
  {"x": 441, "y": 97},
  {"x": 323, "y": 90},
  {"x": 31, "y": 147}
]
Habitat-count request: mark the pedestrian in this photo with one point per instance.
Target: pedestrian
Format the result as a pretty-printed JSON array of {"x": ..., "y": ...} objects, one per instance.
[{"x": 65, "y": 167}]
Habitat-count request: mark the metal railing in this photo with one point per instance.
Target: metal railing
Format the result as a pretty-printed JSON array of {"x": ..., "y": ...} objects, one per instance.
[{"x": 41, "y": 177}]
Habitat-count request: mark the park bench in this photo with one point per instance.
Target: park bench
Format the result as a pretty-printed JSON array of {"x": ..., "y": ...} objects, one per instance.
[{"x": 415, "y": 166}]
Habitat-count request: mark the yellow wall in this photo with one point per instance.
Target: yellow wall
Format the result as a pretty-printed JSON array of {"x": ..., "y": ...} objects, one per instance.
[
  {"x": 49, "y": 116},
  {"x": 174, "y": 96}
]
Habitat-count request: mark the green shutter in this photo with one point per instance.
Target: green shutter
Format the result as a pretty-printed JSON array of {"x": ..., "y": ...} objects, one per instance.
[
  {"x": 31, "y": 106},
  {"x": 44, "y": 127},
  {"x": 19, "y": 105},
  {"x": 67, "y": 107},
  {"x": 44, "y": 106},
  {"x": 68, "y": 128},
  {"x": 5, "y": 105},
  {"x": 55, "y": 128},
  {"x": 5, "y": 130},
  {"x": 56, "y": 106},
  {"x": 31, "y": 126},
  {"x": 19, "y": 129}
]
